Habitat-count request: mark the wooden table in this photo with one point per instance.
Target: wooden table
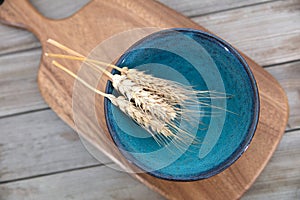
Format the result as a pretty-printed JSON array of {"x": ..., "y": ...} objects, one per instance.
[{"x": 42, "y": 158}]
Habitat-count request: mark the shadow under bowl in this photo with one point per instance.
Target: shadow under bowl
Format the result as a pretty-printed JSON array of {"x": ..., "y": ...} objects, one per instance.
[{"x": 206, "y": 63}]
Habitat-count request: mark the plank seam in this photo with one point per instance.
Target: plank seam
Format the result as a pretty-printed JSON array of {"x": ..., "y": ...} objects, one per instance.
[
  {"x": 230, "y": 9},
  {"x": 24, "y": 113},
  {"x": 20, "y": 51},
  {"x": 53, "y": 173},
  {"x": 292, "y": 130},
  {"x": 281, "y": 63}
]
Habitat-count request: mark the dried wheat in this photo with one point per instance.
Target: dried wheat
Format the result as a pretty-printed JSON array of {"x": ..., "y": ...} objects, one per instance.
[
  {"x": 156, "y": 127},
  {"x": 156, "y": 104}
]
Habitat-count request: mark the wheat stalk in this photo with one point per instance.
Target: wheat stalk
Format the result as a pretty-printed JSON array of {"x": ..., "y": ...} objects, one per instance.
[
  {"x": 155, "y": 104},
  {"x": 173, "y": 92},
  {"x": 167, "y": 90},
  {"x": 156, "y": 127},
  {"x": 146, "y": 100}
]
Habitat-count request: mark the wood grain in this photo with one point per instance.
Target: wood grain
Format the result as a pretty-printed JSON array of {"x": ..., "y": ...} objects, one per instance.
[
  {"x": 44, "y": 124},
  {"x": 18, "y": 89},
  {"x": 88, "y": 184},
  {"x": 269, "y": 185},
  {"x": 275, "y": 44},
  {"x": 60, "y": 102},
  {"x": 192, "y": 8},
  {"x": 271, "y": 43},
  {"x": 288, "y": 76},
  {"x": 279, "y": 180},
  {"x": 189, "y": 8},
  {"x": 59, "y": 9},
  {"x": 16, "y": 40},
  {"x": 39, "y": 143}
]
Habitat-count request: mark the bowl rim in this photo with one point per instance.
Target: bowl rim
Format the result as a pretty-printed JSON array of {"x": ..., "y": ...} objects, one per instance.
[{"x": 238, "y": 151}]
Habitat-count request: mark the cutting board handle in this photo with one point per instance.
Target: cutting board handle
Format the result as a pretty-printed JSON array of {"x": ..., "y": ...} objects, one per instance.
[{"x": 22, "y": 14}]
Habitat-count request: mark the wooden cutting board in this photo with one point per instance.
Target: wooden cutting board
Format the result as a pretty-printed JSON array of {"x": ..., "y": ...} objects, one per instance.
[{"x": 101, "y": 19}]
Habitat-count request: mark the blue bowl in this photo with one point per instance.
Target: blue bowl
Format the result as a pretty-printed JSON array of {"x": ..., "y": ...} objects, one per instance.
[{"x": 206, "y": 62}]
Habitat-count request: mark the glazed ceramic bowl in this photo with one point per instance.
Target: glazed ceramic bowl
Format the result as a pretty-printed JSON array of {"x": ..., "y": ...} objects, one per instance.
[{"x": 204, "y": 62}]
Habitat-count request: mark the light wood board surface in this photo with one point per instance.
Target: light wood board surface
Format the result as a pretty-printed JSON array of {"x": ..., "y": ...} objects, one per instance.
[{"x": 15, "y": 77}]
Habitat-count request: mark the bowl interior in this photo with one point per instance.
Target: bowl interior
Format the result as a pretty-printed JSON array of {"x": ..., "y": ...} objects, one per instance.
[{"x": 205, "y": 62}]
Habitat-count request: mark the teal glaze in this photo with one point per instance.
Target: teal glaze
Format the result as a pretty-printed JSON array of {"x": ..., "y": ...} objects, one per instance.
[{"x": 238, "y": 129}]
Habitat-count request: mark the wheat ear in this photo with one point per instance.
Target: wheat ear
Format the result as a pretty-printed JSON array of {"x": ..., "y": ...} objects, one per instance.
[
  {"x": 157, "y": 128},
  {"x": 155, "y": 98},
  {"x": 171, "y": 91},
  {"x": 146, "y": 100}
]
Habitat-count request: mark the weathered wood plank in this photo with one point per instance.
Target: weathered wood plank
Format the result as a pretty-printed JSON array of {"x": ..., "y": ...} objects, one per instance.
[
  {"x": 268, "y": 33},
  {"x": 13, "y": 39},
  {"x": 49, "y": 158},
  {"x": 280, "y": 180},
  {"x": 271, "y": 43},
  {"x": 19, "y": 91},
  {"x": 194, "y": 8},
  {"x": 288, "y": 76},
  {"x": 39, "y": 143},
  {"x": 93, "y": 183},
  {"x": 67, "y": 154},
  {"x": 18, "y": 86},
  {"x": 65, "y": 8},
  {"x": 58, "y": 9}
]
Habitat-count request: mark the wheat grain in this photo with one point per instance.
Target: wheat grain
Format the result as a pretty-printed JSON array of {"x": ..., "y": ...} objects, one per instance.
[
  {"x": 155, "y": 126},
  {"x": 146, "y": 100},
  {"x": 156, "y": 104}
]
